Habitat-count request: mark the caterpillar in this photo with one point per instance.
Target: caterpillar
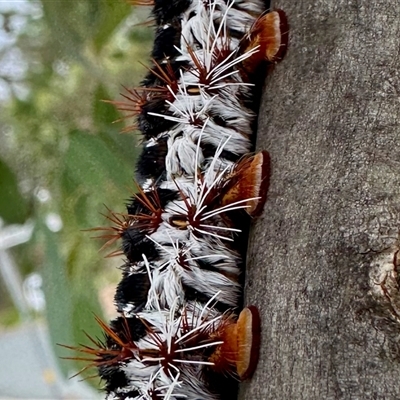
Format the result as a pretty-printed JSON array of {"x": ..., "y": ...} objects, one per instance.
[{"x": 179, "y": 333}]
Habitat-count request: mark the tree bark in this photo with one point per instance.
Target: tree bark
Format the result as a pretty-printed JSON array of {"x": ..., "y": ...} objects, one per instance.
[{"x": 322, "y": 262}]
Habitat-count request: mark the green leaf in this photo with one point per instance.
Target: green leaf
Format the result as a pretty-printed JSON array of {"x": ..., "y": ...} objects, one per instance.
[
  {"x": 110, "y": 14},
  {"x": 13, "y": 207},
  {"x": 71, "y": 297},
  {"x": 104, "y": 114},
  {"x": 66, "y": 22},
  {"x": 57, "y": 290},
  {"x": 90, "y": 162},
  {"x": 95, "y": 20}
]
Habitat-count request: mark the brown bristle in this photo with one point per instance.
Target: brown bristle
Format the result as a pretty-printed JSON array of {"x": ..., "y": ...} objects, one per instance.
[
  {"x": 248, "y": 342},
  {"x": 203, "y": 72},
  {"x": 150, "y": 200},
  {"x": 166, "y": 74},
  {"x": 100, "y": 354},
  {"x": 186, "y": 218},
  {"x": 115, "y": 253},
  {"x": 249, "y": 179},
  {"x": 135, "y": 100},
  {"x": 112, "y": 233},
  {"x": 195, "y": 336},
  {"x": 148, "y": 221},
  {"x": 149, "y": 22},
  {"x": 141, "y": 2},
  {"x": 191, "y": 218}
]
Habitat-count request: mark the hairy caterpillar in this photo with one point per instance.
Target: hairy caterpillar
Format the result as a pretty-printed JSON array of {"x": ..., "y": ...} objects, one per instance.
[{"x": 179, "y": 334}]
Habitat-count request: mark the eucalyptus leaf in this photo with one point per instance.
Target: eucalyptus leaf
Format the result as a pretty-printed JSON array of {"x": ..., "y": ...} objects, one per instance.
[
  {"x": 13, "y": 207},
  {"x": 110, "y": 14}
]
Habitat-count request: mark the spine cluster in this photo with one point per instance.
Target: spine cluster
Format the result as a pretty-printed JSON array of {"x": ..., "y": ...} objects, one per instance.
[{"x": 178, "y": 335}]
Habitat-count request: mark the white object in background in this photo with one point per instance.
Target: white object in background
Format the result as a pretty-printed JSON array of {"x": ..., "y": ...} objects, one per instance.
[
  {"x": 11, "y": 236},
  {"x": 33, "y": 293}
]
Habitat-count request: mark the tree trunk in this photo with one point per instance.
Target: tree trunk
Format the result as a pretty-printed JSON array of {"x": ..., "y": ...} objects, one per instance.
[{"x": 321, "y": 261}]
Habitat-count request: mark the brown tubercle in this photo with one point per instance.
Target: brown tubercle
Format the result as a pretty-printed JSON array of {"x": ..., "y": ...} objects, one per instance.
[
  {"x": 249, "y": 179},
  {"x": 238, "y": 354},
  {"x": 270, "y": 34}
]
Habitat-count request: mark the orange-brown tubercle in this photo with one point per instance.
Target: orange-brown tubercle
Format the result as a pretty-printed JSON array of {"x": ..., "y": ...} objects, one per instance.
[
  {"x": 250, "y": 179},
  {"x": 248, "y": 336},
  {"x": 270, "y": 33},
  {"x": 284, "y": 29},
  {"x": 262, "y": 164},
  {"x": 270, "y": 36},
  {"x": 239, "y": 352}
]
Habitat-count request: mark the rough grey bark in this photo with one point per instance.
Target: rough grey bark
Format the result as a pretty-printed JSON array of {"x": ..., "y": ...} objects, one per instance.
[{"x": 320, "y": 261}]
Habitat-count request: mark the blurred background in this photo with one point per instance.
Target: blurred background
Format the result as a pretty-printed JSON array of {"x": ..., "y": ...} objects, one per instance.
[{"x": 62, "y": 161}]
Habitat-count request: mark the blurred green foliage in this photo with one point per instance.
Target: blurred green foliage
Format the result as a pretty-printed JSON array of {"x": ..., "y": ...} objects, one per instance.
[
  {"x": 60, "y": 151},
  {"x": 13, "y": 207}
]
